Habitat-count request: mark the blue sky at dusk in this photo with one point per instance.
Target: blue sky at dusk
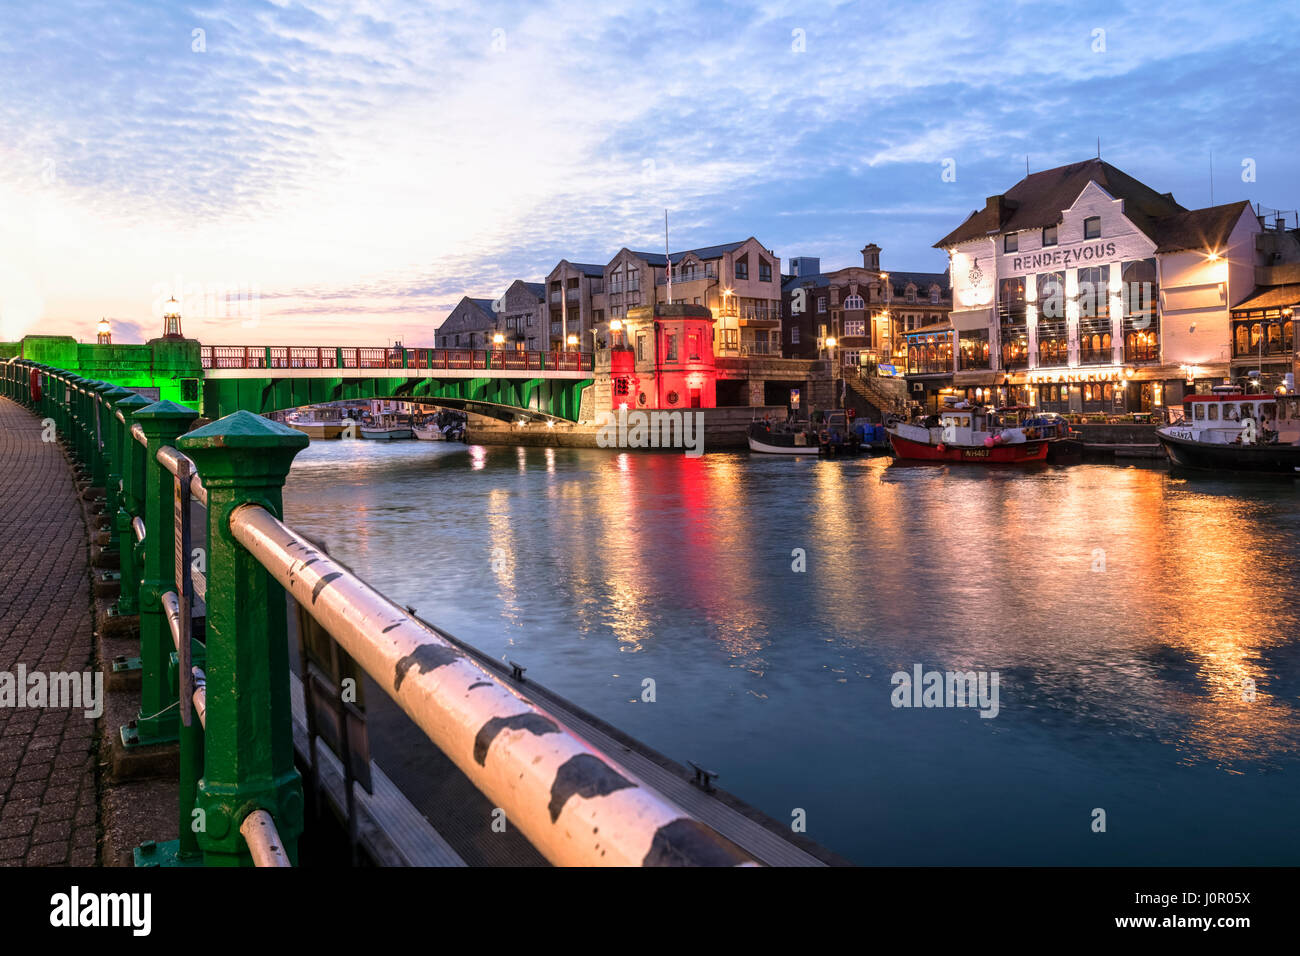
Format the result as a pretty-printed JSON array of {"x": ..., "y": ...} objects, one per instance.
[{"x": 363, "y": 165}]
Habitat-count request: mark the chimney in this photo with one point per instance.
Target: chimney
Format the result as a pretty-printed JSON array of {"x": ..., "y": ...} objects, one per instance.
[
  {"x": 871, "y": 257},
  {"x": 1280, "y": 223}
]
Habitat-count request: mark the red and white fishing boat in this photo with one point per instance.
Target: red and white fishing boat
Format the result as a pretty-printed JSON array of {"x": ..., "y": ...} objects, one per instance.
[{"x": 968, "y": 433}]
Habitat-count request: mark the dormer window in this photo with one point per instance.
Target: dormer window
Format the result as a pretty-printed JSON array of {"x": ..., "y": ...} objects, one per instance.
[
  {"x": 1011, "y": 242},
  {"x": 1092, "y": 227},
  {"x": 1049, "y": 236}
]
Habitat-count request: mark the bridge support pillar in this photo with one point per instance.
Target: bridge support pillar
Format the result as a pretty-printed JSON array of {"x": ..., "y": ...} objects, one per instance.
[
  {"x": 158, "y": 720},
  {"x": 248, "y": 754}
]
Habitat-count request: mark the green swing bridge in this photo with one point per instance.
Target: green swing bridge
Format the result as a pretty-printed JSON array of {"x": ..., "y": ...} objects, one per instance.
[{"x": 218, "y": 689}]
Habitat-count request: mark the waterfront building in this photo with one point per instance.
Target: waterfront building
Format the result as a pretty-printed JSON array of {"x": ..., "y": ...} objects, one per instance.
[
  {"x": 468, "y": 326},
  {"x": 739, "y": 282},
  {"x": 1082, "y": 289},
  {"x": 522, "y": 316},
  {"x": 865, "y": 309},
  {"x": 1263, "y": 325},
  {"x": 573, "y": 290}
]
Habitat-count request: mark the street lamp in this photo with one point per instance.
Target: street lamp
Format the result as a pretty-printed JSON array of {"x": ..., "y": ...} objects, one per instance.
[
  {"x": 498, "y": 339},
  {"x": 831, "y": 342},
  {"x": 172, "y": 319},
  {"x": 572, "y": 342},
  {"x": 103, "y": 333},
  {"x": 615, "y": 325}
]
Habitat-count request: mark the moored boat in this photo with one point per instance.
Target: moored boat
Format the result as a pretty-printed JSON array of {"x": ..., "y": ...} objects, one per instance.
[
  {"x": 428, "y": 432},
  {"x": 966, "y": 434},
  {"x": 384, "y": 433},
  {"x": 1230, "y": 431}
]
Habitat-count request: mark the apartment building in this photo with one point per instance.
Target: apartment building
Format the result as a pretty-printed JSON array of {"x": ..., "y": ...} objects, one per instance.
[
  {"x": 573, "y": 296},
  {"x": 470, "y": 325}
]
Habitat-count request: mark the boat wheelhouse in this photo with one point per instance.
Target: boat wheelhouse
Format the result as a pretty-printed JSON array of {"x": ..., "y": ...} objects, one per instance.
[{"x": 1229, "y": 430}]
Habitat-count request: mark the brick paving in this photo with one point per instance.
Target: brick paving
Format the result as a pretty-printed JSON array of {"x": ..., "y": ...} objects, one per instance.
[{"x": 48, "y": 807}]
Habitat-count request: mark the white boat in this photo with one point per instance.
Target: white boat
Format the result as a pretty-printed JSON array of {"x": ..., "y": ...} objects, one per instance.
[
  {"x": 429, "y": 432},
  {"x": 1228, "y": 430},
  {"x": 385, "y": 433}
]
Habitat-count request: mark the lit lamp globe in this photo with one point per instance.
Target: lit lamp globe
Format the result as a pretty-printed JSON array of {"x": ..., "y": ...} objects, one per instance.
[
  {"x": 831, "y": 342},
  {"x": 498, "y": 339},
  {"x": 103, "y": 333},
  {"x": 172, "y": 319},
  {"x": 573, "y": 341},
  {"x": 615, "y": 325}
]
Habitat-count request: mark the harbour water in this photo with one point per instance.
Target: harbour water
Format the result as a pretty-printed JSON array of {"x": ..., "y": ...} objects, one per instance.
[{"x": 1122, "y": 607}]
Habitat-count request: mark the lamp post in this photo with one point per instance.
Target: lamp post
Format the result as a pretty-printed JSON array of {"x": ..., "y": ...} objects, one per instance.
[
  {"x": 831, "y": 342},
  {"x": 103, "y": 333},
  {"x": 615, "y": 325}
]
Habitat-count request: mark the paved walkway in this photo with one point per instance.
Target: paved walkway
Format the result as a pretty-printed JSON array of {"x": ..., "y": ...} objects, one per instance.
[{"x": 48, "y": 808}]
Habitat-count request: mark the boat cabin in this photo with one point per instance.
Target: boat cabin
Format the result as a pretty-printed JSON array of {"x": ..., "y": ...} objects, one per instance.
[{"x": 1228, "y": 416}]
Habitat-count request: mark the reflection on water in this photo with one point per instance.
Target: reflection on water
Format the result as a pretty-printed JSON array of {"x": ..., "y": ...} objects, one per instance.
[{"x": 1122, "y": 606}]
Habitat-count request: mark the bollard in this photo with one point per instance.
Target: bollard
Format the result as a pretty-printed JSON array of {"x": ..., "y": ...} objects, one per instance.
[
  {"x": 248, "y": 750},
  {"x": 157, "y": 721},
  {"x": 130, "y": 505}
]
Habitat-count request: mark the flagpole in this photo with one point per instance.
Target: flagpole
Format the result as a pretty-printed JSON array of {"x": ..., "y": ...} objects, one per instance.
[{"x": 668, "y": 258}]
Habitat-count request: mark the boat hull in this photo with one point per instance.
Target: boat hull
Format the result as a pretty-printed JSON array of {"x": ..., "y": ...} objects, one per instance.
[
  {"x": 1216, "y": 456},
  {"x": 766, "y": 449},
  {"x": 1009, "y": 454},
  {"x": 385, "y": 434},
  {"x": 319, "y": 430},
  {"x": 429, "y": 434}
]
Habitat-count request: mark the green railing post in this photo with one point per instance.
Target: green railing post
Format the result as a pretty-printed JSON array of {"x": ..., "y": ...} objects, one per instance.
[
  {"x": 131, "y": 505},
  {"x": 77, "y": 426},
  {"x": 158, "y": 720},
  {"x": 242, "y": 459},
  {"x": 113, "y": 453},
  {"x": 98, "y": 440}
]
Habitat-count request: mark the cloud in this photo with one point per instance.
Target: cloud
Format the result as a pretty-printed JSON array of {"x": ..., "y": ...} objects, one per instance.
[{"x": 382, "y": 159}]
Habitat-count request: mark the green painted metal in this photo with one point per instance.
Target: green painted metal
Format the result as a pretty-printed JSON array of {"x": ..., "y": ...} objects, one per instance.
[
  {"x": 113, "y": 451},
  {"x": 157, "y": 721},
  {"x": 558, "y": 397},
  {"x": 244, "y": 459},
  {"x": 131, "y": 505}
]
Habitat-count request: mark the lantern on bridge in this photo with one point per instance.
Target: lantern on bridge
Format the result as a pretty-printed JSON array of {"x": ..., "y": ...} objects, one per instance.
[
  {"x": 103, "y": 333},
  {"x": 172, "y": 319}
]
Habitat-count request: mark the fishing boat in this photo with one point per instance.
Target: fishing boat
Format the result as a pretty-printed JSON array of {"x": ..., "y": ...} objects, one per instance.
[
  {"x": 429, "y": 431},
  {"x": 830, "y": 438},
  {"x": 1228, "y": 430},
  {"x": 325, "y": 424},
  {"x": 965, "y": 433},
  {"x": 1063, "y": 443},
  {"x": 385, "y": 428}
]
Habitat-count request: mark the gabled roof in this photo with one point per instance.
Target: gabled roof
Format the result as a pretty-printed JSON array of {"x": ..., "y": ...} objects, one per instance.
[
  {"x": 482, "y": 306},
  {"x": 536, "y": 288},
  {"x": 588, "y": 268},
  {"x": 922, "y": 280},
  {"x": 704, "y": 252},
  {"x": 1207, "y": 228},
  {"x": 1038, "y": 199}
]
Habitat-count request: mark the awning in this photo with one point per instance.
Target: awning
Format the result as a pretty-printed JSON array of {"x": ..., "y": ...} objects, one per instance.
[
  {"x": 979, "y": 377},
  {"x": 969, "y": 321}
]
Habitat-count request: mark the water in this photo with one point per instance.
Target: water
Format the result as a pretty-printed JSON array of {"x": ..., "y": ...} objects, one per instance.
[{"x": 1120, "y": 688}]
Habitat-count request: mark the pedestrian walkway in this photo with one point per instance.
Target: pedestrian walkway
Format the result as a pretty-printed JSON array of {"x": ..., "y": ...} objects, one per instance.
[{"x": 48, "y": 807}]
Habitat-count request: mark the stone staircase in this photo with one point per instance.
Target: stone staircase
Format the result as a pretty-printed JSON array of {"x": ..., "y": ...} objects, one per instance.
[{"x": 884, "y": 396}]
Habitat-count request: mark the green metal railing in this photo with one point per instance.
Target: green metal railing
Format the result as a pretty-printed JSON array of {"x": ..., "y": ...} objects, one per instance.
[{"x": 225, "y": 701}]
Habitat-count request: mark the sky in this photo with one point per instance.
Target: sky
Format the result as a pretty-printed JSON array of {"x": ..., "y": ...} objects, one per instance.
[{"x": 330, "y": 173}]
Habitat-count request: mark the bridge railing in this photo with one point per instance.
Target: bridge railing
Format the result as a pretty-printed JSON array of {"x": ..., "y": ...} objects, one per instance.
[
  {"x": 351, "y": 357},
  {"x": 225, "y": 700}
]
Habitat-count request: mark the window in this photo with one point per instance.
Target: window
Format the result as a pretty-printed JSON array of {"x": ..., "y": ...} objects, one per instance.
[
  {"x": 1092, "y": 227},
  {"x": 855, "y": 327},
  {"x": 1011, "y": 242},
  {"x": 821, "y": 303},
  {"x": 1051, "y": 296},
  {"x": 640, "y": 347},
  {"x": 1049, "y": 235},
  {"x": 670, "y": 347},
  {"x": 1140, "y": 292},
  {"x": 742, "y": 267},
  {"x": 934, "y": 295},
  {"x": 854, "y": 302},
  {"x": 764, "y": 271},
  {"x": 794, "y": 335},
  {"x": 1011, "y": 300},
  {"x": 911, "y": 293},
  {"x": 974, "y": 350}
]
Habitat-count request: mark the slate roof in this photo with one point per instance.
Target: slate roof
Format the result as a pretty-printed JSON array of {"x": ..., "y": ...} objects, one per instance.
[
  {"x": 1207, "y": 228},
  {"x": 705, "y": 252},
  {"x": 1271, "y": 297},
  {"x": 1037, "y": 200}
]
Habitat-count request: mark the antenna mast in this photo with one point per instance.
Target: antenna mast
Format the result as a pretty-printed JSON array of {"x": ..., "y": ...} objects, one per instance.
[{"x": 669, "y": 267}]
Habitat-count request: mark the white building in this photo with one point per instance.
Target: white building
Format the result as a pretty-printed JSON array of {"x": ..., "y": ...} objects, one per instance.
[{"x": 1082, "y": 289}]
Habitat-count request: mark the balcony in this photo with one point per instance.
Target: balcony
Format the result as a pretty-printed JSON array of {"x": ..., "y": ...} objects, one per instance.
[{"x": 689, "y": 277}]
